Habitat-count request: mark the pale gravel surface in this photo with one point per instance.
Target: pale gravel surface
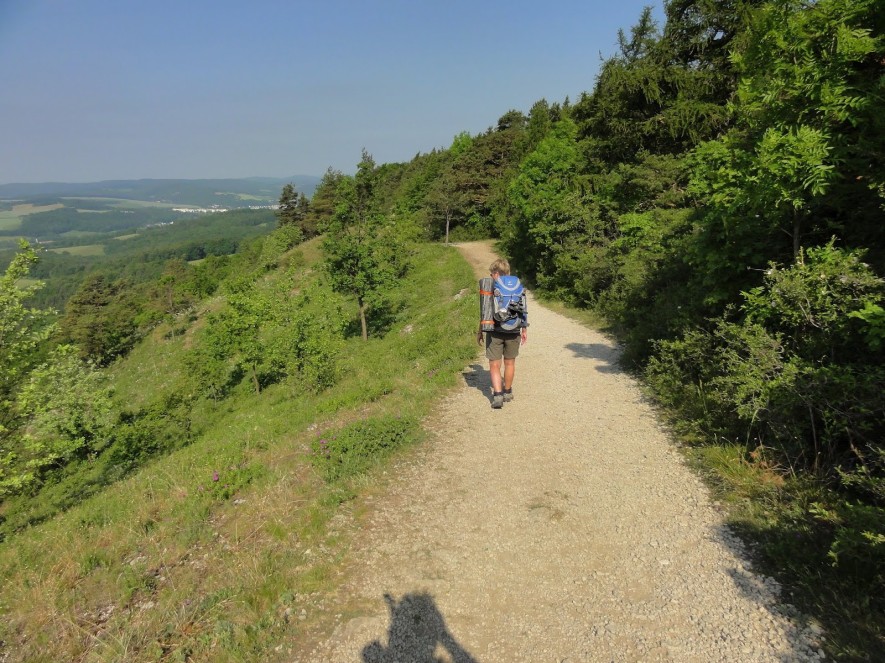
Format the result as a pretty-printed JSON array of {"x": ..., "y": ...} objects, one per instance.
[{"x": 564, "y": 527}]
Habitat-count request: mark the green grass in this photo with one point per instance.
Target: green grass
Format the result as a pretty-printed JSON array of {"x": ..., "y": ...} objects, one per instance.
[
  {"x": 774, "y": 513},
  {"x": 11, "y": 220},
  {"x": 80, "y": 234},
  {"x": 241, "y": 196},
  {"x": 172, "y": 565},
  {"x": 125, "y": 203},
  {"x": 85, "y": 250}
]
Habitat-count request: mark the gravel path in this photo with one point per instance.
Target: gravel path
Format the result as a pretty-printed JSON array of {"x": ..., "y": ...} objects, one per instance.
[{"x": 564, "y": 527}]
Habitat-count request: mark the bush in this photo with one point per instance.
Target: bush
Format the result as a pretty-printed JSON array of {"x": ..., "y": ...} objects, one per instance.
[
  {"x": 799, "y": 372},
  {"x": 67, "y": 406},
  {"x": 358, "y": 446}
]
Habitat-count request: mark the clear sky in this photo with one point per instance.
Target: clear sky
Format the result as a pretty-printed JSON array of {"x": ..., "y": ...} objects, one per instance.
[{"x": 129, "y": 89}]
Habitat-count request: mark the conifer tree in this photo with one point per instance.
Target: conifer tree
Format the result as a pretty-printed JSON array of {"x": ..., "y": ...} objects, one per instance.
[{"x": 293, "y": 208}]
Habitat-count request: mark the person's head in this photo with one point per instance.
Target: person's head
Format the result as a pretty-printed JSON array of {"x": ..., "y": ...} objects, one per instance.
[{"x": 499, "y": 268}]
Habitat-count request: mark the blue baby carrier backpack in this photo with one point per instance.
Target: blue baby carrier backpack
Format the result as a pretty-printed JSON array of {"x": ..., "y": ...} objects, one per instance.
[{"x": 510, "y": 304}]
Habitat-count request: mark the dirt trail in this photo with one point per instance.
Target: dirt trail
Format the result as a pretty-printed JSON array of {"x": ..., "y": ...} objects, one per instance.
[{"x": 563, "y": 527}]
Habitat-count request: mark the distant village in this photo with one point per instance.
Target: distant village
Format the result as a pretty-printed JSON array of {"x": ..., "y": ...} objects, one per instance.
[{"x": 217, "y": 208}]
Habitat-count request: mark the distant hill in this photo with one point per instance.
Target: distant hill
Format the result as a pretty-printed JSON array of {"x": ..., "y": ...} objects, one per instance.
[{"x": 203, "y": 193}]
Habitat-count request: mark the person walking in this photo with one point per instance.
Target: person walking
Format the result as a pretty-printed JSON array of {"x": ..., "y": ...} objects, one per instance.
[{"x": 504, "y": 321}]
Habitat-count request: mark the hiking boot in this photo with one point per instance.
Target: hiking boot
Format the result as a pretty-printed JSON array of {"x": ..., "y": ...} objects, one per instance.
[
  {"x": 508, "y": 395},
  {"x": 497, "y": 401}
]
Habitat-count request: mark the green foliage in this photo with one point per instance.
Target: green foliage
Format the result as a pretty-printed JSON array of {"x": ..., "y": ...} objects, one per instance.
[
  {"x": 357, "y": 447},
  {"x": 307, "y": 333},
  {"x": 236, "y": 331},
  {"x": 824, "y": 304},
  {"x": 279, "y": 242},
  {"x": 873, "y": 317},
  {"x": 269, "y": 332},
  {"x": 22, "y": 330},
  {"x": 654, "y": 95},
  {"x": 322, "y": 203},
  {"x": 365, "y": 255},
  {"x": 859, "y": 539},
  {"x": 163, "y": 426},
  {"x": 547, "y": 196},
  {"x": 233, "y": 480},
  {"x": 67, "y": 406},
  {"x": 100, "y": 319},
  {"x": 293, "y": 211}
]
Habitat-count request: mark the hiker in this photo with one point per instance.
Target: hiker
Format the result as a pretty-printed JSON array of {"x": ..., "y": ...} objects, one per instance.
[{"x": 504, "y": 319}]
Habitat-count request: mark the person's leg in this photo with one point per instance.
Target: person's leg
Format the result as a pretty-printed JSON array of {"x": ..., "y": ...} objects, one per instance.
[
  {"x": 509, "y": 372},
  {"x": 494, "y": 353},
  {"x": 495, "y": 371},
  {"x": 511, "y": 352}
]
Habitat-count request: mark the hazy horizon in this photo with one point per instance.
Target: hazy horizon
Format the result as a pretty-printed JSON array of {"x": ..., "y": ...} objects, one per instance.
[{"x": 96, "y": 91}]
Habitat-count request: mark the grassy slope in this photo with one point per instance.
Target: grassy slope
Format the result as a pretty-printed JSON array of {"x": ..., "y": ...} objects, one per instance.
[{"x": 170, "y": 564}]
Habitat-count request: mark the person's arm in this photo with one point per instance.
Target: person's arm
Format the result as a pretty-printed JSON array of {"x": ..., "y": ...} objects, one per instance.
[{"x": 524, "y": 332}]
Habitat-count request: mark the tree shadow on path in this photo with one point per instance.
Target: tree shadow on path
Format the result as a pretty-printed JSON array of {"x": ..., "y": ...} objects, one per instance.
[
  {"x": 600, "y": 352},
  {"x": 417, "y": 630}
]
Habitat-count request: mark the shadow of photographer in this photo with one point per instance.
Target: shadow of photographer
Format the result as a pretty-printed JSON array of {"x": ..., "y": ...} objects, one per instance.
[
  {"x": 417, "y": 630},
  {"x": 479, "y": 378}
]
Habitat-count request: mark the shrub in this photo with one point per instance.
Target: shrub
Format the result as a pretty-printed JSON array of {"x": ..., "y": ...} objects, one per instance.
[
  {"x": 358, "y": 446},
  {"x": 798, "y": 372},
  {"x": 67, "y": 406}
]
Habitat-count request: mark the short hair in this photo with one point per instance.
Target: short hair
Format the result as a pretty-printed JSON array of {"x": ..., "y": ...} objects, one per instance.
[{"x": 501, "y": 266}]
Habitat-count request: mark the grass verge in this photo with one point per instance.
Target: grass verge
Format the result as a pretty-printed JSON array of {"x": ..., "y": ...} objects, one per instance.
[
  {"x": 226, "y": 549},
  {"x": 778, "y": 515}
]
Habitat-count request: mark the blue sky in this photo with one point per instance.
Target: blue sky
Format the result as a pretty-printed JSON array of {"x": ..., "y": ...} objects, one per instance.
[{"x": 126, "y": 89}]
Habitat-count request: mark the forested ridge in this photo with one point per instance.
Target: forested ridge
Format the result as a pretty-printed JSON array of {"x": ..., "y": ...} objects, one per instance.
[{"x": 716, "y": 199}]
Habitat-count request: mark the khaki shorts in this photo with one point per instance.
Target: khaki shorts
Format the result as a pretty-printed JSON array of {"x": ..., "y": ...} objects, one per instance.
[{"x": 500, "y": 345}]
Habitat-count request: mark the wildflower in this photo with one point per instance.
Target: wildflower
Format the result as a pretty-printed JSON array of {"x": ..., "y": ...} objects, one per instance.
[{"x": 215, "y": 476}]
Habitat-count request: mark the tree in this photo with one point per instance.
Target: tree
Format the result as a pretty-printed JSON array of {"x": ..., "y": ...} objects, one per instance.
[
  {"x": 546, "y": 195},
  {"x": 803, "y": 160},
  {"x": 293, "y": 209},
  {"x": 100, "y": 319},
  {"x": 364, "y": 255},
  {"x": 22, "y": 329},
  {"x": 662, "y": 94},
  {"x": 809, "y": 104},
  {"x": 322, "y": 203},
  {"x": 69, "y": 413}
]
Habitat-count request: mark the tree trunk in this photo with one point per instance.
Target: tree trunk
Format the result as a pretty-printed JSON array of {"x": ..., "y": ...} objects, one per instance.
[
  {"x": 797, "y": 227},
  {"x": 363, "y": 319},
  {"x": 448, "y": 220},
  {"x": 255, "y": 380}
]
